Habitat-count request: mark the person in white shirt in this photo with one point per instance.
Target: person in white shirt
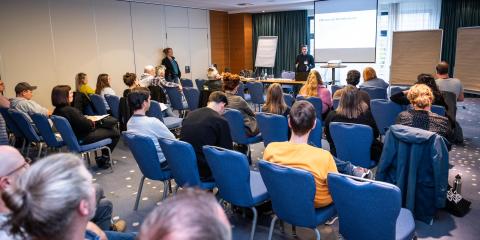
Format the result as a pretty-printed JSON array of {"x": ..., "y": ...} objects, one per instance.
[
  {"x": 447, "y": 84},
  {"x": 147, "y": 76},
  {"x": 139, "y": 123},
  {"x": 103, "y": 87}
]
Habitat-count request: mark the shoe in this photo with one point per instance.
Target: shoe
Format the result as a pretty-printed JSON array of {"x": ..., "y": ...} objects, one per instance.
[
  {"x": 362, "y": 172},
  {"x": 103, "y": 162},
  {"x": 119, "y": 226}
]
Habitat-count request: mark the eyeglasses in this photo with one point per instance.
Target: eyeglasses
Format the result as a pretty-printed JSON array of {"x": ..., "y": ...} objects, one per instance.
[{"x": 25, "y": 165}]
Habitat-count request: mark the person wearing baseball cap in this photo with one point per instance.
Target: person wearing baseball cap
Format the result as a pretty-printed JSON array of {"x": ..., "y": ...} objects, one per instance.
[{"x": 23, "y": 101}]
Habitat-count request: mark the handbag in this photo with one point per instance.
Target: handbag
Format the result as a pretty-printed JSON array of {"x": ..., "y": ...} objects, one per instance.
[
  {"x": 456, "y": 204},
  {"x": 108, "y": 122}
]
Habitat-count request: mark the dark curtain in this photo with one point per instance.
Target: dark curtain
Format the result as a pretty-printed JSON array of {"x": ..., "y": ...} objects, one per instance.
[
  {"x": 456, "y": 14},
  {"x": 291, "y": 29}
]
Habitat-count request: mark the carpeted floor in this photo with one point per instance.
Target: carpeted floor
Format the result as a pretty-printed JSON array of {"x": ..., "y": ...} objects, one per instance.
[{"x": 121, "y": 188}]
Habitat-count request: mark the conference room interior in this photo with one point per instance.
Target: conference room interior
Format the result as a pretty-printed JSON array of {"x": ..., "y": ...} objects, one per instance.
[{"x": 46, "y": 43}]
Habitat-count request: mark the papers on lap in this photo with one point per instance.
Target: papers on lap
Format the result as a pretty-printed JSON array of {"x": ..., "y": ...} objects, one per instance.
[{"x": 96, "y": 117}]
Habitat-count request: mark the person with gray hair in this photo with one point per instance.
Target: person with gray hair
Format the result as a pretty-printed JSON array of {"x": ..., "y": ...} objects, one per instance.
[
  {"x": 147, "y": 76},
  {"x": 192, "y": 214}
]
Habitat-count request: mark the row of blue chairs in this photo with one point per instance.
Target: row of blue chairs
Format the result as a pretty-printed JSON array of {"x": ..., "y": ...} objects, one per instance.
[{"x": 291, "y": 191}]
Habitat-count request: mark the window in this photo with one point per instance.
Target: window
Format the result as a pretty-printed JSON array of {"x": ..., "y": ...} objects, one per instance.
[{"x": 311, "y": 35}]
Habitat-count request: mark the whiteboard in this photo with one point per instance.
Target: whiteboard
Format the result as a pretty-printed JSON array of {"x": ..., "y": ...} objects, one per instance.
[
  {"x": 266, "y": 51},
  {"x": 468, "y": 57}
]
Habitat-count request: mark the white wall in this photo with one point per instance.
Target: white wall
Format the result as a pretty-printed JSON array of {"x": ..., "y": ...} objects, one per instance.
[{"x": 46, "y": 42}]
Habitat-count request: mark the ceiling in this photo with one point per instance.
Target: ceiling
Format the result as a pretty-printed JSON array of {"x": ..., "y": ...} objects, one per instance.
[{"x": 232, "y": 6}]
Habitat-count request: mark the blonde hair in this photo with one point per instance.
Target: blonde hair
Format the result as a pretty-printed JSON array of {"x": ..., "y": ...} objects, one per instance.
[
  {"x": 159, "y": 69},
  {"x": 275, "y": 103},
  {"x": 369, "y": 74},
  {"x": 350, "y": 105},
  {"x": 310, "y": 88},
  {"x": 420, "y": 95}
]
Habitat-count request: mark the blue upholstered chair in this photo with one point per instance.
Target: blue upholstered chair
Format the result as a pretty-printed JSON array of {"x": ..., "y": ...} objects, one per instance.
[
  {"x": 156, "y": 111},
  {"x": 68, "y": 136},
  {"x": 437, "y": 109},
  {"x": 193, "y": 97},
  {"x": 98, "y": 104},
  {"x": 384, "y": 112},
  {"x": 273, "y": 127},
  {"x": 114, "y": 103},
  {"x": 12, "y": 127},
  {"x": 315, "y": 137},
  {"x": 292, "y": 192},
  {"x": 176, "y": 100},
  {"x": 236, "y": 183},
  {"x": 241, "y": 92},
  {"x": 182, "y": 163},
  {"x": 316, "y": 102},
  {"x": 237, "y": 129},
  {"x": 370, "y": 209},
  {"x": 256, "y": 93},
  {"x": 46, "y": 131},
  {"x": 186, "y": 82},
  {"x": 200, "y": 83},
  {"x": 30, "y": 133},
  {"x": 289, "y": 100},
  {"x": 336, "y": 102},
  {"x": 375, "y": 93},
  {"x": 336, "y": 88},
  {"x": 396, "y": 89},
  {"x": 145, "y": 153},
  {"x": 353, "y": 143}
]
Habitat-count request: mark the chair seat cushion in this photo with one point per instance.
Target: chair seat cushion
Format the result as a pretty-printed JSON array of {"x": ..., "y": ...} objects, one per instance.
[
  {"x": 324, "y": 214},
  {"x": 254, "y": 139},
  {"x": 207, "y": 185},
  {"x": 172, "y": 122},
  {"x": 259, "y": 191},
  {"x": 372, "y": 164},
  {"x": 101, "y": 143},
  {"x": 405, "y": 227},
  {"x": 247, "y": 97}
]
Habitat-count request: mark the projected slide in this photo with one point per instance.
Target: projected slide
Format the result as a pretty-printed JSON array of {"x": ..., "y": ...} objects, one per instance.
[{"x": 345, "y": 30}]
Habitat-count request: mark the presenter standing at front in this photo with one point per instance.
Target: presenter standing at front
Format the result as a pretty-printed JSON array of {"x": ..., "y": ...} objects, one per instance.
[{"x": 304, "y": 61}]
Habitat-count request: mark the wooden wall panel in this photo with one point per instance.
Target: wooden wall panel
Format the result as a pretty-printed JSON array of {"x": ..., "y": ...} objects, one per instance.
[
  {"x": 219, "y": 37},
  {"x": 248, "y": 44},
  {"x": 240, "y": 32}
]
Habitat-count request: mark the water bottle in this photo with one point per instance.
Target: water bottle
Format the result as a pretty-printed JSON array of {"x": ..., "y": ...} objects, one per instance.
[{"x": 457, "y": 184}]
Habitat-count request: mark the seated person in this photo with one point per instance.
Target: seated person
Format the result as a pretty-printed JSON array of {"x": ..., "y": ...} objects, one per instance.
[
  {"x": 447, "y": 84},
  {"x": 4, "y": 103},
  {"x": 353, "y": 78},
  {"x": 206, "y": 218},
  {"x": 147, "y": 76},
  {"x": 60, "y": 187},
  {"x": 139, "y": 123},
  {"x": 86, "y": 130},
  {"x": 427, "y": 79},
  {"x": 230, "y": 86},
  {"x": 297, "y": 153},
  {"x": 421, "y": 97},
  {"x": 371, "y": 80},
  {"x": 206, "y": 126},
  {"x": 104, "y": 88},
  {"x": 130, "y": 79},
  {"x": 315, "y": 88},
  {"x": 275, "y": 103},
  {"x": 214, "y": 82},
  {"x": 23, "y": 101},
  {"x": 352, "y": 109},
  {"x": 81, "y": 84},
  {"x": 124, "y": 110}
]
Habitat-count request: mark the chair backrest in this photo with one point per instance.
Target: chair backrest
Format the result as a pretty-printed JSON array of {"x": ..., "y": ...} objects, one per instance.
[
  {"x": 23, "y": 122},
  {"x": 235, "y": 122},
  {"x": 440, "y": 110},
  {"x": 396, "y": 89},
  {"x": 366, "y": 209},
  {"x": 316, "y": 102},
  {"x": 200, "y": 83},
  {"x": 274, "y": 128},
  {"x": 451, "y": 101},
  {"x": 145, "y": 153},
  {"x": 352, "y": 142},
  {"x": 155, "y": 110},
  {"x": 375, "y": 93},
  {"x": 231, "y": 173},
  {"x": 182, "y": 162},
  {"x": 114, "y": 104},
  {"x": 315, "y": 137},
  {"x": 175, "y": 97},
  {"x": 66, "y": 131},
  {"x": 43, "y": 126},
  {"x": 292, "y": 192},
  {"x": 336, "y": 102},
  {"x": 241, "y": 90},
  {"x": 288, "y": 75},
  {"x": 11, "y": 125},
  {"x": 384, "y": 112},
  {"x": 186, "y": 82},
  {"x": 98, "y": 104},
  {"x": 193, "y": 97},
  {"x": 336, "y": 88},
  {"x": 289, "y": 100},
  {"x": 256, "y": 92}
]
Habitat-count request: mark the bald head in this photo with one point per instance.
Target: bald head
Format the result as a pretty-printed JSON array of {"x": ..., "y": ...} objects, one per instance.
[
  {"x": 10, "y": 159},
  {"x": 149, "y": 69}
]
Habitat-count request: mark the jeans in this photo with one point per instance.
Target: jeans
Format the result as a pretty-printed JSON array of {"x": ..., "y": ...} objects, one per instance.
[
  {"x": 103, "y": 213},
  {"x": 111, "y": 235},
  {"x": 344, "y": 167}
]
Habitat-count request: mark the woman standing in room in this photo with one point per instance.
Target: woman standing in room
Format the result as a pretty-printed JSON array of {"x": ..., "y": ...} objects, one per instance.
[
  {"x": 275, "y": 103},
  {"x": 315, "y": 88},
  {"x": 371, "y": 80},
  {"x": 103, "y": 87},
  {"x": 81, "y": 84},
  {"x": 172, "y": 71}
]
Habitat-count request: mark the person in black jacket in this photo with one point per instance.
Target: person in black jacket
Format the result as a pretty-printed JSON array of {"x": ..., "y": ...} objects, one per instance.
[
  {"x": 206, "y": 126},
  {"x": 172, "y": 71},
  {"x": 304, "y": 61},
  {"x": 86, "y": 131},
  {"x": 352, "y": 109}
]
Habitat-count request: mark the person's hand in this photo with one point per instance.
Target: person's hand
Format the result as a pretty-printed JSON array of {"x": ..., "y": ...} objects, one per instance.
[
  {"x": 180, "y": 87},
  {"x": 405, "y": 92}
]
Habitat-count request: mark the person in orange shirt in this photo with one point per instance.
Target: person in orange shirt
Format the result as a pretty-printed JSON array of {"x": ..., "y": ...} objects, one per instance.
[{"x": 296, "y": 153}]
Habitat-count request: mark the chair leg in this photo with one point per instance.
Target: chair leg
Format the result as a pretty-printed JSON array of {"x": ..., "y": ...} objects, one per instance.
[
  {"x": 28, "y": 150},
  {"x": 272, "y": 226},
  {"x": 294, "y": 231},
  {"x": 40, "y": 146},
  {"x": 110, "y": 158},
  {"x": 254, "y": 222},
  {"x": 139, "y": 193},
  {"x": 170, "y": 186},
  {"x": 165, "y": 189},
  {"x": 317, "y": 233},
  {"x": 176, "y": 190}
]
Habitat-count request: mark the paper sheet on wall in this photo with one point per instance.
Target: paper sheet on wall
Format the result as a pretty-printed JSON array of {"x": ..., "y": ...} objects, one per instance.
[{"x": 266, "y": 51}]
